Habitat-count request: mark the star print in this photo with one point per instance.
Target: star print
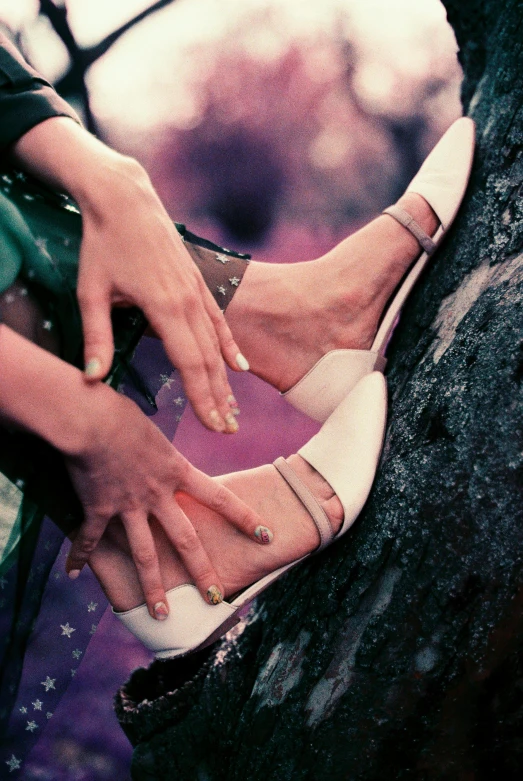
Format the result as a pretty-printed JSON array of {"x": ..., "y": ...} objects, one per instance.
[
  {"x": 42, "y": 246},
  {"x": 13, "y": 763},
  {"x": 31, "y": 273},
  {"x": 47, "y": 325},
  {"x": 20, "y": 483},
  {"x": 20, "y": 176},
  {"x": 37, "y": 704},
  {"x": 3, "y": 583},
  {"x": 23, "y": 709},
  {"x": 23, "y": 291},
  {"x": 48, "y": 714},
  {"x": 67, "y": 630},
  {"x": 177, "y": 418},
  {"x": 77, "y": 653},
  {"x": 167, "y": 380},
  {"x": 91, "y": 607},
  {"x": 221, "y": 290},
  {"x": 222, "y": 258},
  {"x": 29, "y": 197},
  {"x": 93, "y": 629},
  {"x": 49, "y": 683},
  {"x": 234, "y": 281},
  {"x": 9, "y": 298},
  {"x": 73, "y": 672},
  {"x": 31, "y": 726},
  {"x": 179, "y": 401},
  {"x": 57, "y": 575}
]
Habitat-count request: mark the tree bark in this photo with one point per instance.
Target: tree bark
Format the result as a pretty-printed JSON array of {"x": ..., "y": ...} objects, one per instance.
[{"x": 398, "y": 652}]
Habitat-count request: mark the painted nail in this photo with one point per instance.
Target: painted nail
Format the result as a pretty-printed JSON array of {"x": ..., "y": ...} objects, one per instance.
[
  {"x": 160, "y": 611},
  {"x": 216, "y": 420},
  {"x": 233, "y": 404},
  {"x": 92, "y": 368},
  {"x": 263, "y": 534},
  {"x": 232, "y": 423},
  {"x": 242, "y": 362},
  {"x": 73, "y": 573},
  {"x": 215, "y": 595}
]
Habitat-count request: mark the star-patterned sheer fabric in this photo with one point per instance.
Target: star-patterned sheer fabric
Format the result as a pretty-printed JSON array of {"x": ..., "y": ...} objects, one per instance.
[{"x": 46, "y": 621}]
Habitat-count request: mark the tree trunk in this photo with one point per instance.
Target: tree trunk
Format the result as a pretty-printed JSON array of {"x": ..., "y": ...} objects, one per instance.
[{"x": 398, "y": 652}]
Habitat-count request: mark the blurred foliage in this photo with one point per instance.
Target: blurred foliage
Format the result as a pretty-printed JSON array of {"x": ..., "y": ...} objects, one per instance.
[{"x": 275, "y": 126}]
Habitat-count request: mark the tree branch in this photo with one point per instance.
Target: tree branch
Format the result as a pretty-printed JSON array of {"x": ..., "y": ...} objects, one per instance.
[{"x": 98, "y": 50}]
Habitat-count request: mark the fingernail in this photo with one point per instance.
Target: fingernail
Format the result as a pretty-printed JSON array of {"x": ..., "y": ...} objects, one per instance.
[
  {"x": 215, "y": 595},
  {"x": 264, "y": 534},
  {"x": 233, "y": 404},
  {"x": 242, "y": 362},
  {"x": 216, "y": 420},
  {"x": 160, "y": 611},
  {"x": 73, "y": 573},
  {"x": 92, "y": 368},
  {"x": 232, "y": 423}
]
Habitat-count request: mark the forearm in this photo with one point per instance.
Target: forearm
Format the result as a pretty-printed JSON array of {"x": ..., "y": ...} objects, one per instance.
[
  {"x": 46, "y": 396},
  {"x": 68, "y": 158}
]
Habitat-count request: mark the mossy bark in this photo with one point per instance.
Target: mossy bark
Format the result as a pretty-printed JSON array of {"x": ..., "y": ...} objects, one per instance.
[{"x": 398, "y": 653}]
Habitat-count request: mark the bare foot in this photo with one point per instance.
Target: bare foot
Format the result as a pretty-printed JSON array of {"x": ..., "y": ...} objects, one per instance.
[
  {"x": 238, "y": 561},
  {"x": 285, "y": 317}
]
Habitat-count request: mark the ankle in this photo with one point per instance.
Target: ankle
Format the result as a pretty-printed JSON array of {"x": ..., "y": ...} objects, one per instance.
[
  {"x": 321, "y": 490},
  {"x": 418, "y": 208}
]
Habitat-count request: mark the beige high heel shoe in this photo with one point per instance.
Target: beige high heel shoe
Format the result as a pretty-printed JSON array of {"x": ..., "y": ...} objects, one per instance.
[
  {"x": 345, "y": 452},
  {"x": 442, "y": 181}
]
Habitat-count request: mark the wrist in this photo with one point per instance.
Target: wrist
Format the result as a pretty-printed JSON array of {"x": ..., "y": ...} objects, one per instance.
[
  {"x": 42, "y": 394},
  {"x": 117, "y": 179},
  {"x": 70, "y": 159}
]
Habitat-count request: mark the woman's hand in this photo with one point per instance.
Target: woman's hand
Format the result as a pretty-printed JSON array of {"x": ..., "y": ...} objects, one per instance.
[
  {"x": 131, "y": 254},
  {"x": 120, "y": 463},
  {"x": 128, "y": 469}
]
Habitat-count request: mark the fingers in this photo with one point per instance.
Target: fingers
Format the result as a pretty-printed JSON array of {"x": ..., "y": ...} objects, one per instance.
[
  {"x": 145, "y": 557},
  {"x": 95, "y": 308},
  {"x": 192, "y": 345},
  {"x": 85, "y": 541},
  {"x": 217, "y": 497},
  {"x": 184, "y": 538},
  {"x": 227, "y": 344}
]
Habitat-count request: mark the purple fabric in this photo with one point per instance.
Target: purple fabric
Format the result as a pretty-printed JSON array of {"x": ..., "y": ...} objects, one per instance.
[{"x": 70, "y": 611}]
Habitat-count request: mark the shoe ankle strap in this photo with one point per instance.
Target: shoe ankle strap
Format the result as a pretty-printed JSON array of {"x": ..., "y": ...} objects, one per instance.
[
  {"x": 404, "y": 218},
  {"x": 310, "y": 503}
]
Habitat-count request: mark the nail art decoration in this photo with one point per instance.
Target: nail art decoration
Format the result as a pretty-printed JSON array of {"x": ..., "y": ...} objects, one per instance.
[
  {"x": 263, "y": 534},
  {"x": 160, "y": 611},
  {"x": 231, "y": 421},
  {"x": 92, "y": 367},
  {"x": 215, "y": 595}
]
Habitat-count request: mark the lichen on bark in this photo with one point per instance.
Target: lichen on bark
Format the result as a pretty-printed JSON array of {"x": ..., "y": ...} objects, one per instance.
[{"x": 398, "y": 653}]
